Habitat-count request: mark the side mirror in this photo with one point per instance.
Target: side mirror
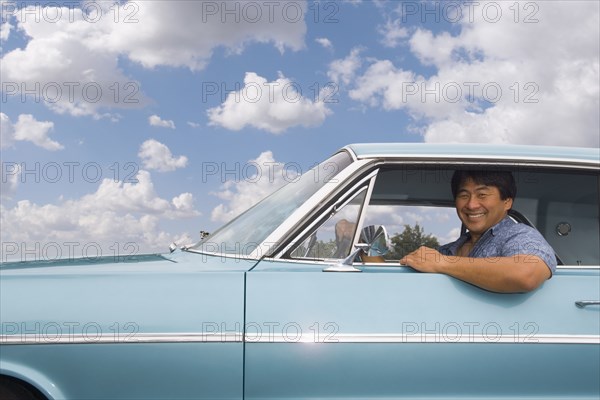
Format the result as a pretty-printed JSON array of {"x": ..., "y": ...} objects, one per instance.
[
  {"x": 374, "y": 242},
  {"x": 377, "y": 238}
]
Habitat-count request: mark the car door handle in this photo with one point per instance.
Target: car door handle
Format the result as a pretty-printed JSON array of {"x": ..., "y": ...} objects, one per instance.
[{"x": 584, "y": 303}]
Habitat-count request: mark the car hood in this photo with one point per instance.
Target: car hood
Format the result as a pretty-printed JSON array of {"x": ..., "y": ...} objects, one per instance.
[
  {"x": 141, "y": 263},
  {"x": 44, "y": 265},
  {"x": 178, "y": 292}
]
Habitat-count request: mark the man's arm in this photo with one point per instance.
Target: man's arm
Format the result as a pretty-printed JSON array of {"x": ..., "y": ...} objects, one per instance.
[{"x": 518, "y": 273}]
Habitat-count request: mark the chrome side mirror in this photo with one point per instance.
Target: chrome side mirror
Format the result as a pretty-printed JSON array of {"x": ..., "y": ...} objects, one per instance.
[
  {"x": 374, "y": 242},
  {"x": 377, "y": 238}
]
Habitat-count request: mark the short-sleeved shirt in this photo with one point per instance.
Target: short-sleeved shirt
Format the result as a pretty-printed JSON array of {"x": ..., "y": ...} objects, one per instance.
[{"x": 506, "y": 238}]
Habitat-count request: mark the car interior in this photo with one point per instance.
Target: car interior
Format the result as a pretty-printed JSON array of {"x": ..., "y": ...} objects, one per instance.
[{"x": 562, "y": 204}]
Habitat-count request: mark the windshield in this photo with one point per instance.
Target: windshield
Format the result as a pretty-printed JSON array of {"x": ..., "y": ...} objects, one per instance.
[{"x": 244, "y": 233}]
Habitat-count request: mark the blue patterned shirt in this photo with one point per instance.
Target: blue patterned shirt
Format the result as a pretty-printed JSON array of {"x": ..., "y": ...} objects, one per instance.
[{"x": 506, "y": 238}]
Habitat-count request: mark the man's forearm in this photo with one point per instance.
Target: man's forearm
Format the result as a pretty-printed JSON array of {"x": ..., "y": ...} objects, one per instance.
[{"x": 519, "y": 273}]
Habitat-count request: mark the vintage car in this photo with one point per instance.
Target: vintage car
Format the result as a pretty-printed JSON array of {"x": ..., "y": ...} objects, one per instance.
[{"x": 274, "y": 305}]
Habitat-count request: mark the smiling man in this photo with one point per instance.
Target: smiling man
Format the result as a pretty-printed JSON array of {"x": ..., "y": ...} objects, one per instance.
[{"x": 495, "y": 253}]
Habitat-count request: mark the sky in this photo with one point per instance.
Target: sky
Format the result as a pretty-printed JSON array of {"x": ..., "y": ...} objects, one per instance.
[{"x": 129, "y": 125}]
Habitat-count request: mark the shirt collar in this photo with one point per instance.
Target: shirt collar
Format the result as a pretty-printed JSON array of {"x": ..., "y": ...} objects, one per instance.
[{"x": 502, "y": 224}]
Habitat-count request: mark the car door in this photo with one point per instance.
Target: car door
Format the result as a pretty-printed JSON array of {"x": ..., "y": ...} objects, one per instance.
[{"x": 391, "y": 332}]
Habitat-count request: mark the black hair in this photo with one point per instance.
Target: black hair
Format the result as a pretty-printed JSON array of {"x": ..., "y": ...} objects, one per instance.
[{"x": 503, "y": 180}]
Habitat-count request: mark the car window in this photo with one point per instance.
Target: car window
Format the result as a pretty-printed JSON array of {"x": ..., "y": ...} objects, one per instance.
[
  {"x": 562, "y": 204},
  {"x": 243, "y": 234},
  {"x": 564, "y": 207},
  {"x": 415, "y": 204},
  {"x": 410, "y": 227},
  {"x": 333, "y": 238}
]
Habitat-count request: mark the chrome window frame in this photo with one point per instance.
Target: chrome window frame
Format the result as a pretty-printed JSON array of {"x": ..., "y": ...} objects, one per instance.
[{"x": 365, "y": 183}]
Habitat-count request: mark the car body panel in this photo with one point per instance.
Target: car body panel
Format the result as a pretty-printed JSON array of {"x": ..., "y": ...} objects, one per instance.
[
  {"x": 379, "y": 334},
  {"x": 148, "y": 326},
  {"x": 134, "y": 371},
  {"x": 265, "y": 325},
  {"x": 423, "y": 371}
]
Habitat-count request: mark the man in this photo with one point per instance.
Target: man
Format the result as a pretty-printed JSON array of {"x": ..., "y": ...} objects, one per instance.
[{"x": 495, "y": 253}]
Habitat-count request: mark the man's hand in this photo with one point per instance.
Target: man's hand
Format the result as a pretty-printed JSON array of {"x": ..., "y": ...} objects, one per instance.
[{"x": 424, "y": 259}]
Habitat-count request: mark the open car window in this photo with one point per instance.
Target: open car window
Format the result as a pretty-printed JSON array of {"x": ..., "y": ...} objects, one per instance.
[
  {"x": 416, "y": 207},
  {"x": 415, "y": 204},
  {"x": 410, "y": 227}
]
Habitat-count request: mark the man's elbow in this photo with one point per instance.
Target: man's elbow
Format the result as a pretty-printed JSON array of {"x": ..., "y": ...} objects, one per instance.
[
  {"x": 530, "y": 284},
  {"x": 533, "y": 276}
]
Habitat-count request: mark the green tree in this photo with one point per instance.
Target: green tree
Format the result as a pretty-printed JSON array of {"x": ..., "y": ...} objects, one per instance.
[{"x": 409, "y": 240}]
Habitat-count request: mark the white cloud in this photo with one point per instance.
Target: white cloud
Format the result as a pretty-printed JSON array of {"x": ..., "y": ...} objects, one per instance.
[
  {"x": 28, "y": 129},
  {"x": 119, "y": 216},
  {"x": 155, "y": 120},
  {"x": 5, "y": 29},
  {"x": 5, "y": 14},
  {"x": 449, "y": 237},
  {"x": 270, "y": 106},
  {"x": 393, "y": 33},
  {"x": 344, "y": 70},
  {"x": 10, "y": 173},
  {"x": 501, "y": 82},
  {"x": 7, "y": 131},
  {"x": 326, "y": 43},
  {"x": 390, "y": 216},
  {"x": 184, "y": 33},
  {"x": 155, "y": 155},
  {"x": 184, "y": 202},
  {"x": 62, "y": 67},
  {"x": 193, "y": 124},
  {"x": 244, "y": 193},
  {"x": 74, "y": 59},
  {"x": 382, "y": 84}
]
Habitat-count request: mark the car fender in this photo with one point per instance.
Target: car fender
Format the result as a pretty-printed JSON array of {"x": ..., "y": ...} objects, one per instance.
[{"x": 32, "y": 377}]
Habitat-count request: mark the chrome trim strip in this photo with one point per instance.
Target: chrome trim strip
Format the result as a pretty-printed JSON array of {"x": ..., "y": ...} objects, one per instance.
[
  {"x": 490, "y": 159},
  {"x": 427, "y": 338},
  {"x": 237, "y": 337},
  {"x": 351, "y": 152},
  {"x": 224, "y": 255},
  {"x": 575, "y": 267},
  {"x": 123, "y": 337}
]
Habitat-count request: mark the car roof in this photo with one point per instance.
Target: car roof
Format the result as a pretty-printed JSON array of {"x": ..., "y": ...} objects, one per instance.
[{"x": 488, "y": 152}]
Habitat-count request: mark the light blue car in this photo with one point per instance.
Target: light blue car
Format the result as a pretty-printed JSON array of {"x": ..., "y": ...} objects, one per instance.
[{"x": 276, "y": 305}]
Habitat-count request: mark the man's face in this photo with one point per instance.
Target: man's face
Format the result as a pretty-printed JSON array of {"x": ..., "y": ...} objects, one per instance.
[{"x": 480, "y": 207}]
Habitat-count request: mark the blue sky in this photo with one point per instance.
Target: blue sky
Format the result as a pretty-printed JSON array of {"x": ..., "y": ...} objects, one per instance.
[{"x": 165, "y": 150}]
